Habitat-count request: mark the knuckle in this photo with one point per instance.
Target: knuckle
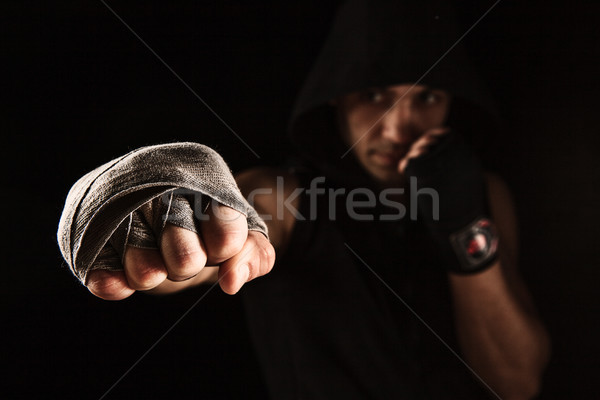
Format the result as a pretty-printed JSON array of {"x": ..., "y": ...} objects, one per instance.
[
  {"x": 185, "y": 262},
  {"x": 143, "y": 268},
  {"x": 145, "y": 277},
  {"x": 106, "y": 285},
  {"x": 225, "y": 243},
  {"x": 267, "y": 253},
  {"x": 264, "y": 260},
  {"x": 226, "y": 214}
]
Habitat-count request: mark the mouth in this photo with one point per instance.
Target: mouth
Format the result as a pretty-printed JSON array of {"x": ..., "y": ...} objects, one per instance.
[{"x": 388, "y": 159}]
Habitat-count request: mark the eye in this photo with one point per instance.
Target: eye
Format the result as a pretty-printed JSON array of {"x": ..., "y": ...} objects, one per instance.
[
  {"x": 429, "y": 97},
  {"x": 373, "y": 96}
]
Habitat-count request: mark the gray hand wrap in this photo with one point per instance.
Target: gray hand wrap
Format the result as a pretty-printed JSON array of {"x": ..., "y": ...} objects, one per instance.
[{"x": 129, "y": 200}]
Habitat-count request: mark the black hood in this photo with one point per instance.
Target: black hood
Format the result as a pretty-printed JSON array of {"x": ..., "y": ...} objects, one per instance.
[{"x": 376, "y": 44}]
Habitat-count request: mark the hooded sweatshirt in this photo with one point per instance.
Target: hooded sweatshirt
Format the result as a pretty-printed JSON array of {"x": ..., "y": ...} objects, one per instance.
[{"x": 360, "y": 308}]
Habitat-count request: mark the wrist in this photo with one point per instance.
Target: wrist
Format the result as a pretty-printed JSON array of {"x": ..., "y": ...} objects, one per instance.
[{"x": 471, "y": 249}]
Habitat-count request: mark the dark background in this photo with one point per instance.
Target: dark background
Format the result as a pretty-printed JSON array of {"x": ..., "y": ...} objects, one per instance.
[{"x": 80, "y": 89}]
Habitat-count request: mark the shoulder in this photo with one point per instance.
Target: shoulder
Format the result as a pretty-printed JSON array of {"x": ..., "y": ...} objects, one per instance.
[{"x": 266, "y": 178}]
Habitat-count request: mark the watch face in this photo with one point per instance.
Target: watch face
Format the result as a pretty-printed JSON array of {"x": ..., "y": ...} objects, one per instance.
[{"x": 475, "y": 245}]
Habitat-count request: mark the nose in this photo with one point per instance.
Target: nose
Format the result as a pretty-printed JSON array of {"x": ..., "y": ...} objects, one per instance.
[{"x": 398, "y": 124}]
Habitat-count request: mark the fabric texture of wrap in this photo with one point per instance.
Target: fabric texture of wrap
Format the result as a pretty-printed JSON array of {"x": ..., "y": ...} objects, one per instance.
[{"x": 130, "y": 199}]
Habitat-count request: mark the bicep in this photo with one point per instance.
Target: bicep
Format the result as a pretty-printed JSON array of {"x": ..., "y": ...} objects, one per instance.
[{"x": 503, "y": 212}]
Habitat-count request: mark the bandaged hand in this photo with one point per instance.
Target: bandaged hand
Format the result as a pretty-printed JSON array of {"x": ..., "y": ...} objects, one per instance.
[{"x": 155, "y": 218}]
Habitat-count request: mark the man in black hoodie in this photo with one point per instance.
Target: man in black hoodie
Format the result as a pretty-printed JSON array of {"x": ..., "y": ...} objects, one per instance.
[{"x": 396, "y": 273}]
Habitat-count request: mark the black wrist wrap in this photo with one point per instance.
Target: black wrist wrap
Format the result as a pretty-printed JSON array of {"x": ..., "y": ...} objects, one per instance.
[{"x": 456, "y": 215}]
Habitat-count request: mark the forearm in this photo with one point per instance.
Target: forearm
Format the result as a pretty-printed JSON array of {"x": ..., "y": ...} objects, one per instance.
[{"x": 500, "y": 336}]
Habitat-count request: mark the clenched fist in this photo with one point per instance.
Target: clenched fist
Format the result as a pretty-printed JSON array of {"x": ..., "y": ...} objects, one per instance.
[{"x": 182, "y": 255}]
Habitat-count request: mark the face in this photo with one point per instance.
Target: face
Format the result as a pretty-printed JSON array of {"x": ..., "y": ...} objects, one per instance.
[{"x": 381, "y": 124}]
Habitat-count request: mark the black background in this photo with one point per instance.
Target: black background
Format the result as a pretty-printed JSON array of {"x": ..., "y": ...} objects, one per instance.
[{"x": 80, "y": 89}]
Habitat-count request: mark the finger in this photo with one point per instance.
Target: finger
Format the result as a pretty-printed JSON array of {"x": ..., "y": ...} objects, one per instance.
[
  {"x": 109, "y": 285},
  {"x": 402, "y": 165},
  {"x": 183, "y": 253},
  {"x": 412, "y": 155},
  {"x": 144, "y": 268},
  {"x": 418, "y": 148},
  {"x": 255, "y": 259},
  {"x": 422, "y": 146},
  {"x": 223, "y": 233},
  {"x": 437, "y": 132}
]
